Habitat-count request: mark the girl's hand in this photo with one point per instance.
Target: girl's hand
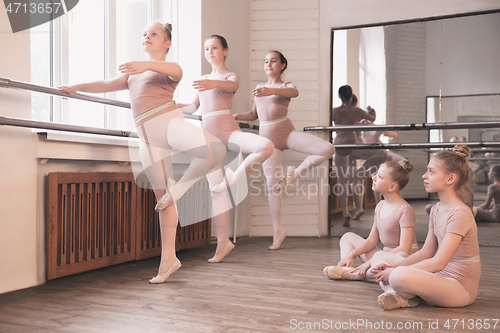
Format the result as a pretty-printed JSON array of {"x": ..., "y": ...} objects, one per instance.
[
  {"x": 379, "y": 268},
  {"x": 262, "y": 91},
  {"x": 236, "y": 116},
  {"x": 383, "y": 276},
  {"x": 204, "y": 84},
  {"x": 133, "y": 67},
  {"x": 68, "y": 89},
  {"x": 361, "y": 270},
  {"x": 346, "y": 261}
]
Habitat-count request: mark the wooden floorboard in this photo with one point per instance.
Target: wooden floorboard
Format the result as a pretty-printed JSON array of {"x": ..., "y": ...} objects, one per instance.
[{"x": 252, "y": 290}]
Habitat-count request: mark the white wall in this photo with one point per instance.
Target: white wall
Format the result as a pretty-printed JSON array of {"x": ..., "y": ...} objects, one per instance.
[{"x": 461, "y": 60}]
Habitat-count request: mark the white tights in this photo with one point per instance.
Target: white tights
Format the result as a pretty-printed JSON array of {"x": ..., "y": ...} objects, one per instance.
[
  {"x": 189, "y": 139},
  {"x": 319, "y": 150},
  {"x": 410, "y": 282},
  {"x": 259, "y": 149},
  {"x": 349, "y": 242}
]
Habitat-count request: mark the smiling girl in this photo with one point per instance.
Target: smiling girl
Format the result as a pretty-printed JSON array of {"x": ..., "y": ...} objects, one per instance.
[
  {"x": 446, "y": 271},
  {"x": 393, "y": 225}
]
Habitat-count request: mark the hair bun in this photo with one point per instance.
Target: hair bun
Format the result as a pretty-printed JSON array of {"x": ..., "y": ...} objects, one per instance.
[
  {"x": 461, "y": 150},
  {"x": 168, "y": 26},
  {"x": 407, "y": 165}
]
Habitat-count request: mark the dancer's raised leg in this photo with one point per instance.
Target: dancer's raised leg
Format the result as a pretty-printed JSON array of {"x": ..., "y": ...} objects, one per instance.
[
  {"x": 318, "y": 149},
  {"x": 259, "y": 150},
  {"x": 342, "y": 188}
]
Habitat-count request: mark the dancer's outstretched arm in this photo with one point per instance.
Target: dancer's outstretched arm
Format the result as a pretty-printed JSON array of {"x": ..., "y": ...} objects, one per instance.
[
  {"x": 290, "y": 92},
  {"x": 103, "y": 86},
  {"x": 171, "y": 69},
  {"x": 366, "y": 246},
  {"x": 231, "y": 84}
]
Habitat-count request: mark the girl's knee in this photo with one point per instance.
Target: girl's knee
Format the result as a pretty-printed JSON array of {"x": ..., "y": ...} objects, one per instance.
[
  {"x": 218, "y": 151},
  {"x": 330, "y": 151},
  {"x": 400, "y": 277},
  {"x": 268, "y": 149}
]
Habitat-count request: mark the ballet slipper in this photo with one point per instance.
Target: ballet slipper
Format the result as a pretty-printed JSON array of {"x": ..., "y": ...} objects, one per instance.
[
  {"x": 161, "y": 277},
  {"x": 345, "y": 221},
  {"x": 224, "y": 184},
  {"x": 276, "y": 245},
  {"x": 358, "y": 214},
  {"x": 219, "y": 257},
  {"x": 167, "y": 199},
  {"x": 335, "y": 272},
  {"x": 289, "y": 180},
  {"x": 390, "y": 301}
]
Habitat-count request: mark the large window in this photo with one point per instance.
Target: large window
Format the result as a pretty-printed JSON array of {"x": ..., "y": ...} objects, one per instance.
[{"x": 87, "y": 44}]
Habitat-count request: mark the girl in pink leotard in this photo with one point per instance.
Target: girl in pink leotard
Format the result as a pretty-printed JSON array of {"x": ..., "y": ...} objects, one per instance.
[
  {"x": 393, "y": 225},
  {"x": 161, "y": 128},
  {"x": 215, "y": 96},
  {"x": 489, "y": 211},
  {"x": 271, "y": 107},
  {"x": 346, "y": 114},
  {"x": 446, "y": 271}
]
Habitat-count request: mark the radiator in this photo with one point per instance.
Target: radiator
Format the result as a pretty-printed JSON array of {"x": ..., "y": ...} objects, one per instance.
[{"x": 96, "y": 220}]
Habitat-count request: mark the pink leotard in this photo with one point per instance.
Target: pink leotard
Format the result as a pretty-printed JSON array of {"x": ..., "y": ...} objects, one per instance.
[
  {"x": 389, "y": 228},
  {"x": 217, "y": 99},
  {"x": 464, "y": 266},
  {"x": 148, "y": 91},
  {"x": 275, "y": 108},
  {"x": 347, "y": 116}
]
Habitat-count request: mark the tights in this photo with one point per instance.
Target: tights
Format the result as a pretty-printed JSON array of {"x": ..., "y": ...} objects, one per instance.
[
  {"x": 259, "y": 149},
  {"x": 319, "y": 151},
  {"x": 372, "y": 158},
  {"x": 157, "y": 164},
  {"x": 410, "y": 282}
]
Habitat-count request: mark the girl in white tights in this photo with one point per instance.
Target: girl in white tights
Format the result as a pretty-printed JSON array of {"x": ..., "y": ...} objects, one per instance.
[
  {"x": 393, "y": 225},
  {"x": 161, "y": 129},
  {"x": 215, "y": 96},
  {"x": 271, "y": 107},
  {"x": 446, "y": 271}
]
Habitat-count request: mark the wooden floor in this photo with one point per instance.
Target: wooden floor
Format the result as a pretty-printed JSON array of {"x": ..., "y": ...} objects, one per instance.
[{"x": 252, "y": 290}]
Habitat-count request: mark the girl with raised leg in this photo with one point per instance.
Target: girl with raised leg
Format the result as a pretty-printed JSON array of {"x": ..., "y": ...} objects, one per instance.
[
  {"x": 346, "y": 114},
  {"x": 161, "y": 128},
  {"x": 271, "y": 107},
  {"x": 215, "y": 96},
  {"x": 446, "y": 270},
  {"x": 489, "y": 211},
  {"x": 393, "y": 225}
]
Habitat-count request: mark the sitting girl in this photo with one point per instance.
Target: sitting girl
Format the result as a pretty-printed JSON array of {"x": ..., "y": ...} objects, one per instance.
[
  {"x": 394, "y": 225},
  {"x": 489, "y": 211},
  {"x": 446, "y": 271}
]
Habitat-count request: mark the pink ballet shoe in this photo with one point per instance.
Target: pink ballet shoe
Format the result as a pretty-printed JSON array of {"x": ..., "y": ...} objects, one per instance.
[
  {"x": 289, "y": 180},
  {"x": 276, "y": 245},
  {"x": 335, "y": 272},
  {"x": 358, "y": 214},
  {"x": 167, "y": 199},
  {"x": 161, "y": 277},
  {"x": 224, "y": 184},
  {"x": 390, "y": 301},
  {"x": 218, "y": 258}
]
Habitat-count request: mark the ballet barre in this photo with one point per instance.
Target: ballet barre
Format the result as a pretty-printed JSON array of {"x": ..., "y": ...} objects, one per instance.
[
  {"x": 405, "y": 127},
  {"x": 8, "y": 83},
  {"x": 416, "y": 145}
]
